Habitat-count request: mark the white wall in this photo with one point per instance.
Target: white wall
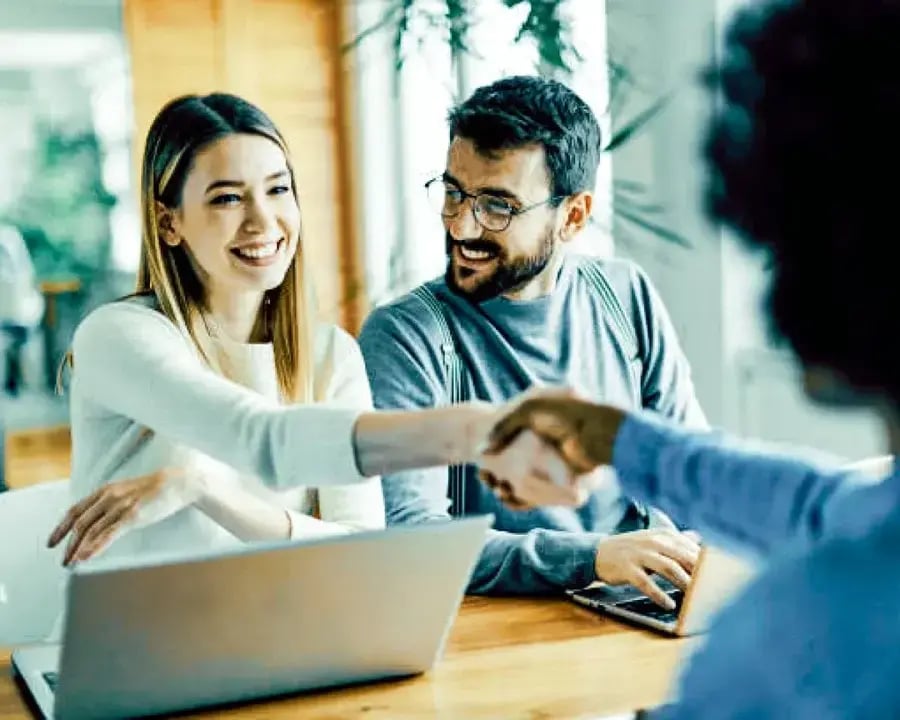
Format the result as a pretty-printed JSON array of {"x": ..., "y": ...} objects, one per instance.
[
  {"x": 713, "y": 290},
  {"x": 665, "y": 44}
]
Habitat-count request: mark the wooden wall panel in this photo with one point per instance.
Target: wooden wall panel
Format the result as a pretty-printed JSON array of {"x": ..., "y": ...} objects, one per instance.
[
  {"x": 174, "y": 51},
  {"x": 283, "y": 55}
]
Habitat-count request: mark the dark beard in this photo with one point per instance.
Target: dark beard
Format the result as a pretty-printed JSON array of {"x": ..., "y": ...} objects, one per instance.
[{"x": 509, "y": 276}]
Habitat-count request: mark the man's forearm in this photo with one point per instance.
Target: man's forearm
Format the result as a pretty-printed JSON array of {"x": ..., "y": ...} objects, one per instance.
[
  {"x": 539, "y": 561},
  {"x": 416, "y": 496}
]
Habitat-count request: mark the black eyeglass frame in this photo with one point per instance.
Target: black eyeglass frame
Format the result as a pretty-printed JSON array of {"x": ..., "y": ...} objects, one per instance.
[{"x": 513, "y": 210}]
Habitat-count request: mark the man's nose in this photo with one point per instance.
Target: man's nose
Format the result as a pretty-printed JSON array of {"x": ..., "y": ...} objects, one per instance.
[{"x": 463, "y": 225}]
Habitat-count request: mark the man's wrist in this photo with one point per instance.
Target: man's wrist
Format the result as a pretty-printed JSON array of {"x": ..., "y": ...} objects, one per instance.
[
  {"x": 600, "y": 430},
  {"x": 584, "y": 551},
  {"x": 595, "y": 566}
]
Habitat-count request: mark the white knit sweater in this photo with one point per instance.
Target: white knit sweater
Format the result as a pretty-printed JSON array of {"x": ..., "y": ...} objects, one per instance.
[{"x": 141, "y": 399}]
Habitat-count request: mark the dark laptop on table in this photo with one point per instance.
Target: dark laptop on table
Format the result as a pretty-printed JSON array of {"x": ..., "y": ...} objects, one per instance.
[{"x": 717, "y": 577}]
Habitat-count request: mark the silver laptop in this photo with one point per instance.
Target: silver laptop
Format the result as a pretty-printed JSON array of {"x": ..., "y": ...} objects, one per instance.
[
  {"x": 717, "y": 577},
  {"x": 257, "y": 622}
]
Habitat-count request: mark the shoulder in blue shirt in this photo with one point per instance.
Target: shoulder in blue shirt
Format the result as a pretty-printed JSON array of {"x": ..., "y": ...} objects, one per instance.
[{"x": 815, "y": 638}]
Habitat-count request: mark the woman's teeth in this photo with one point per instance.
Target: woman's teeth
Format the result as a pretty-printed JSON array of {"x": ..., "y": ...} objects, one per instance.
[
  {"x": 258, "y": 252},
  {"x": 470, "y": 254}
]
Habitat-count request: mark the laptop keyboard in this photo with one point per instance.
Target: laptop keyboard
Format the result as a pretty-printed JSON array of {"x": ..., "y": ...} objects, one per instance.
[
  {"x": 51, "y": 678},
  {"x": 648, "y": 608}
]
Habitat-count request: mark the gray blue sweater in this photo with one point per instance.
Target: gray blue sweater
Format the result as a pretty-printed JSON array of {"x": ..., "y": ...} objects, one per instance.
[
  {"x": 564, "y": 338},
  {"x": 817, "y": 635}
]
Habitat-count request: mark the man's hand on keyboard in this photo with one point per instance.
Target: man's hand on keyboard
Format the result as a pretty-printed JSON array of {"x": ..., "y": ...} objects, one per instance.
[{"x": 631, "y": 559}]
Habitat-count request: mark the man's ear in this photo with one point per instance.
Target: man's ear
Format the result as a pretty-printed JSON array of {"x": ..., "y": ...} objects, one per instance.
[
  {"x": 577, "y": 212},
  {"x": 166, "y": 222}
]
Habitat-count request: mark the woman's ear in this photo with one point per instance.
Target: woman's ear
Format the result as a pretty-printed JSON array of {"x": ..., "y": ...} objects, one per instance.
[{"x": 166, "y": 223}]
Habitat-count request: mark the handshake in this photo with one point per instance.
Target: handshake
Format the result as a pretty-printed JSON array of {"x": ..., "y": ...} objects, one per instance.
[
  {"x": 544, "y": 448},
  {"x": 543, "y": 451},
  {"x": 538, "y": 451}
]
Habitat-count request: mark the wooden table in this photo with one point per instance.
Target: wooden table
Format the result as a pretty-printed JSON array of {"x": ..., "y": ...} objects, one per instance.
[
  {"x": 36, "y": 455},
  {"x": 52, "y": 289},
  {"x": 506, "y": 658}
]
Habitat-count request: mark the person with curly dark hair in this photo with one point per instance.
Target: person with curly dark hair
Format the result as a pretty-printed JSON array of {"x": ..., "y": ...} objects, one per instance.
[{"x": 806, "y": 127}]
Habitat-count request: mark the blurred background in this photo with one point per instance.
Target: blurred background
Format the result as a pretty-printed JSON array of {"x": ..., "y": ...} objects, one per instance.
[{"x": 361, "y": 89}]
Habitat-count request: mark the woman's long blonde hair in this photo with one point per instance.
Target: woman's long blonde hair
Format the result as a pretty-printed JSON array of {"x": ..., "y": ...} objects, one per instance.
[{"x": 184, "y": 127}]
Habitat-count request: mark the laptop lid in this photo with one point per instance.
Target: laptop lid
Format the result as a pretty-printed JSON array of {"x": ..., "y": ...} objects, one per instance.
[
  {"x": 262, "y": 621},
  {"x": 718, "y": 577}
]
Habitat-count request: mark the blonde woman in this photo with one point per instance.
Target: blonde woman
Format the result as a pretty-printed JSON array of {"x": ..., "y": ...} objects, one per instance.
[{"x": 207, "y": 406}]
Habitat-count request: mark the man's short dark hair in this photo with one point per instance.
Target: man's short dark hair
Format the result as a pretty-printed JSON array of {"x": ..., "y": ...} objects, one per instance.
[
  {"x": 523, "y": 110},
  {"x": 802, "y": 156}
]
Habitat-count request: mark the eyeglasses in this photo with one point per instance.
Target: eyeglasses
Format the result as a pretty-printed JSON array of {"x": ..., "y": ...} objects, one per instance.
[{"x": 491, "y": 212}]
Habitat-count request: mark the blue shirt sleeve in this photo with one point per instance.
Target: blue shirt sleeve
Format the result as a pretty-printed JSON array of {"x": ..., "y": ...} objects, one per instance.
[
  {"x": 536, "y": 562},
  {"x": 759, "y": 500},
  {"x": 816, "y": 637}
]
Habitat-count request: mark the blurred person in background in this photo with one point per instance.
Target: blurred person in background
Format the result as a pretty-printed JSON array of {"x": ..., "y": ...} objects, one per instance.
[
  {"x": 21, "y": 304},
  {"x": 21, "y": 310}
]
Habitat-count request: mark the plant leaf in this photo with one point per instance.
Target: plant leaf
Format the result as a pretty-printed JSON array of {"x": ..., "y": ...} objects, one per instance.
[
  {"x": 636, "y": 217},
  {"x": 637, "y": 124},
  {"x": 389, "y": 17},
  {"x": 457, "y": 15}
]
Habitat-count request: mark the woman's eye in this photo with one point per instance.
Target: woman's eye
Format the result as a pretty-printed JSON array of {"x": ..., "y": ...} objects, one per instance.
[
  {"x": 279, "y": 190},
  {"x": 226, "y": 199}
]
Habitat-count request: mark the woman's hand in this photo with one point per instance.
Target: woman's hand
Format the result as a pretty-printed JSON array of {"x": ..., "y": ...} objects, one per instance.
[{"x": 101, "y": 517}]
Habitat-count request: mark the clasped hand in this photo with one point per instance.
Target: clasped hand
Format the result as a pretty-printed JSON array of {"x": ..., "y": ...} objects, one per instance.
[{"x": 545, "y": 449}]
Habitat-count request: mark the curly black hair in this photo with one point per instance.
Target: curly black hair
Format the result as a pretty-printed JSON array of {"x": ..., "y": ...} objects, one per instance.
[
  {"x": 523, "y": 110},
  {"x": 800, "y": 153}
]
